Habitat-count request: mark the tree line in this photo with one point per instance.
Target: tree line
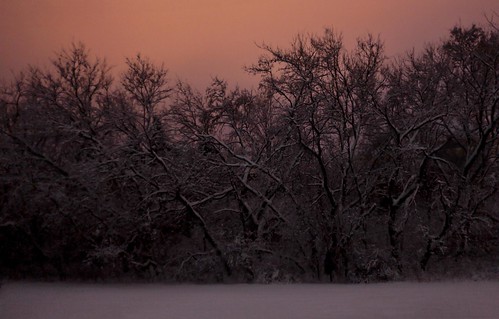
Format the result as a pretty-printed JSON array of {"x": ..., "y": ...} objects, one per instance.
[{"x": 344, "y": 165}]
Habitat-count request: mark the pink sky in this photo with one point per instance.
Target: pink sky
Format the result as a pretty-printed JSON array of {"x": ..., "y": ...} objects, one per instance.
[{"x": 199, "y": 39}]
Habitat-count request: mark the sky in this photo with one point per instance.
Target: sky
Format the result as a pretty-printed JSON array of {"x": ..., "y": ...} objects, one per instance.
[{"x": 200, "y": 39}]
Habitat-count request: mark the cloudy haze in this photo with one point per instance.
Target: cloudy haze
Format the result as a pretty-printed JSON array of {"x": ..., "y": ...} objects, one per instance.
[{"x": 200, "y": 39}]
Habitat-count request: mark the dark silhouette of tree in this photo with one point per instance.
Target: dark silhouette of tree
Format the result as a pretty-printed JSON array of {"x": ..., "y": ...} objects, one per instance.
[{"x": 342, "y": 162}]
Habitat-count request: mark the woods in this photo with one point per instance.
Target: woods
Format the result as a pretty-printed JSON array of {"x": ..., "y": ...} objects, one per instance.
[{"x": 344, "y": 165}]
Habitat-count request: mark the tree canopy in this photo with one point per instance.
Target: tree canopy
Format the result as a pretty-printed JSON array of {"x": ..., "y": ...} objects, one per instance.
[{"x": 344, "y": 165}]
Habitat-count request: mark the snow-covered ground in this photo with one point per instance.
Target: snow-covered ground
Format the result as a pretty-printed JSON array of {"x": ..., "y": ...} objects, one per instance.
[{"x": 391, "y": 300}]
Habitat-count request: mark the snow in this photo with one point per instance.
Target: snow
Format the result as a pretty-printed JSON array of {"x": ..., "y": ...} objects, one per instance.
[{"x": 465, "y": 299}]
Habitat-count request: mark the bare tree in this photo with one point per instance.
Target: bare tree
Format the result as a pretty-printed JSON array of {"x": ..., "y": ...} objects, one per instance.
[{"x": 327, "y": 95}]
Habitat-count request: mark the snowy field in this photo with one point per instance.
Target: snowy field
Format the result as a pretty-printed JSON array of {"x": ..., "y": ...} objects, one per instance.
[{"x": 392, "y": 300}]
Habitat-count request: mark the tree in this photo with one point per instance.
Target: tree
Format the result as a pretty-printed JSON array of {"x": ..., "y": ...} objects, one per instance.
[
  {"x": 327, "y": 96},
  {"x": 468, "y": 159},
  {"x": 342, "y": 162},
  {"x": 54, "y": 134}
]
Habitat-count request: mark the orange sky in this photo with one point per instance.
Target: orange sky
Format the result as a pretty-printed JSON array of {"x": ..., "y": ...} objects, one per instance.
[{"x": 199, "y": 39}]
